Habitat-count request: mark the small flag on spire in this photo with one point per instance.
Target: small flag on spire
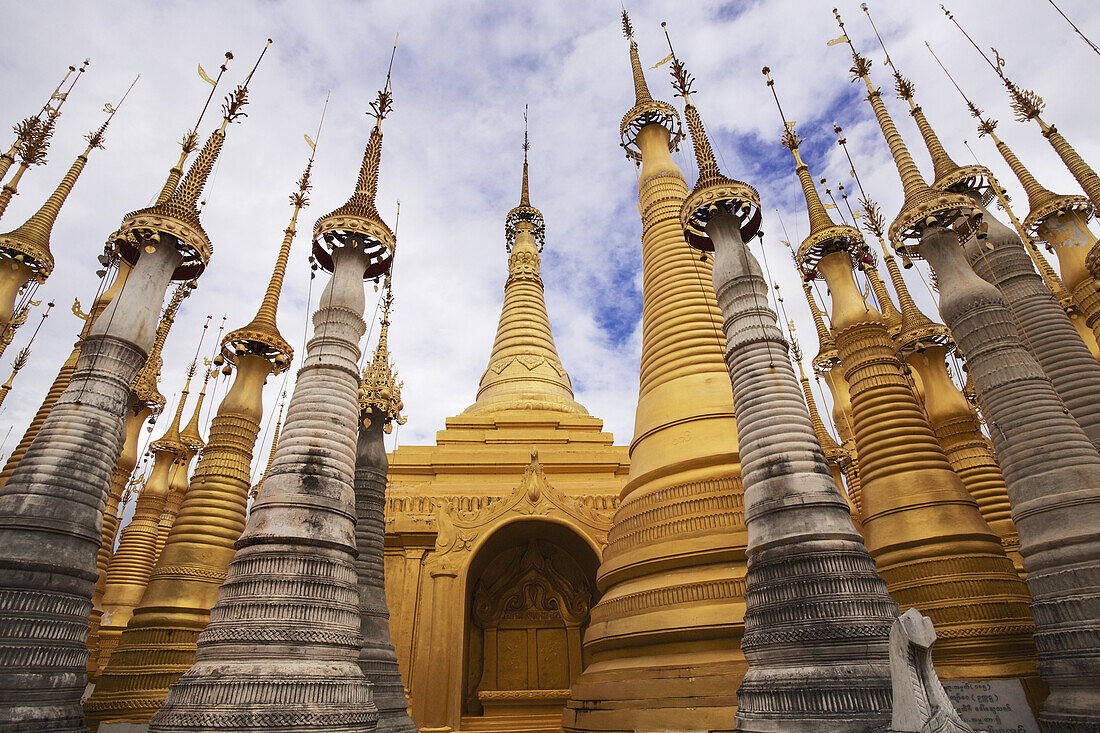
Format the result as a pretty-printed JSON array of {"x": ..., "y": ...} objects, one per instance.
[
  {"x": 662, "y": 62},
  {"x": 839, "y": 39},
  {"x": 312, "y": 145},
  {"x": 206, "y": 77}
]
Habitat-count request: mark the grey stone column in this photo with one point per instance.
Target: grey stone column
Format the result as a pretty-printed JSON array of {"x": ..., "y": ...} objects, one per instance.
[
  {"x": 1000, "y": 258},
  {"x": 51, "y": 513},
  {"x": 818, "y": 616},
  {"x": 377, "y": 659},
  {"x": 282, "y": 646},
  {"x": 1053, "y": 476}
]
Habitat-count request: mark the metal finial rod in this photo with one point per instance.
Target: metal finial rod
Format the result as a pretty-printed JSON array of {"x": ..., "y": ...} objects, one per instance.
[
  {"x": 767, "y": 72},
  {"x": 973, "y": 109},
  {"x": 110, "y": 109},
  {"x": 851, "y": 165},
  {"x": 867, "y": 11},
  {"x": 198, "y": 348},
  {"x": 320, "y": 123},
  {"x": 1092, "y": 45},
  {"x": 992, "y": 65},
  {"x": 392, "y": 54},
  {"x": 526, "y": 143},
  {"x": 213, "y": 88},
  {"x": 45, "y": 314},
  {"x": 257, "y": 64},
  {"x": 844, "y": 33}
]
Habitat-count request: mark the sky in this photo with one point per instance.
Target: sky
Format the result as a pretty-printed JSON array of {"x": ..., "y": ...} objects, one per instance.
[{"x": 452, "y": 155}]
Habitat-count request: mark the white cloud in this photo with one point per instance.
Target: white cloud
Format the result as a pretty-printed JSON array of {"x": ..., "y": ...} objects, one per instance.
[{"x": 462, "y": 75}]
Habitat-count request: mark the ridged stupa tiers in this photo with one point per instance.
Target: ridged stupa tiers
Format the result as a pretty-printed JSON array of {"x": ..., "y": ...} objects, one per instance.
[
  {"x": 283, "y": 642},
  {"x": 524, "y": 371},
  {"x": 820, "y": 650},
  {"x": 380, "y": 406},
  {"x": 159, "y": 644},
  {"x": 132, "y": 562},
  {"x": 1050, "y": 467},
  {"x": 664, "y": 638},
  {"x": 920, "y": 523}
]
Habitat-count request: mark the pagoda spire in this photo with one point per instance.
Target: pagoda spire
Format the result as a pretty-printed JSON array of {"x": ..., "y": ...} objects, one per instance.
[
  {"x": 60, "y": 536},
  {"x": 51, "y": 112},
  {"x": 1029, "y": 106},
  {"x": 785, "y": 686},
  {"x": 683, "y": 461},
  {"x": 524, "y": 371},
  {"x": 998, "y": 256},
  {"x": 32, "y": 138},
  {"x": 302, "y": 523},
  {"x": 200, "y": 544},
  {"x": 646, "y": 110},
  {"x": 379, "y": 389},
  {"x": 896, "y": 444},
  {"x": 26, "y": 254},
  {"x": 133, "y": 560},
  {"x": 1062, "y": 220},
  {"x": 379, "y": 407},
  {"x": 922, "y": 206},
  {"x": 175, "y": 219},
  {"x": 1049, "y": 464},
  {"x": 190, "y": 435},
  {"x": 24, "y": 354}
]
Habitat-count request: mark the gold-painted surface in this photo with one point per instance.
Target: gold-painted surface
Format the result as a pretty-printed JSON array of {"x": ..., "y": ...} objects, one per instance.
[
  {"x": 135, "y": 421},
  {"x": 842, "y": 419},
  {"x": 923, "y": 528},
  {"x": 159, "y": 643},
  {"x": 1068, "y": 234},
  {"x": 664, "y": 638},
  {"x": 130, "y": 565},
  {"x": 890, "y": 314},
  {"x": 958, "y": 429},
  {"x": 61, "y": 381}
]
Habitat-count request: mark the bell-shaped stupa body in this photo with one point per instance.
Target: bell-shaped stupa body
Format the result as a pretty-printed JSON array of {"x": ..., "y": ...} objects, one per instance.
[{"x": 665, "y": 637}]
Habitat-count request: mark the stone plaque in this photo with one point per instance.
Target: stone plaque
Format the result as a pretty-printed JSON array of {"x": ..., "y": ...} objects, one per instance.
[{"x": 994, "y": 706}]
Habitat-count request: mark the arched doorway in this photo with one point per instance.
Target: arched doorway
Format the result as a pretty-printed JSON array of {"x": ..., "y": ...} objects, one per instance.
[{"x": 529, "y": 590}]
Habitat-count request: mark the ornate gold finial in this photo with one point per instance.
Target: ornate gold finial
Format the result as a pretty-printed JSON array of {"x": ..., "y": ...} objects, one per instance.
[
  {"x": 24, "y": 354},
  {"x": 261, "y": 336},
  {"x": 525, "y": 213},
  {"x": 917, "y": 331},
  {"x": 190, "y": 140},
  {"x": 825, "y": 234},
  {"x": 30, "y": 243},
  {"x": 380, "y": 390},
  {"x": 8, "y": 157},
  {"x": 190, "y": 435},
  {"x": 33, "y": 135},
  {"x": 646, "y": 110},
  {"x": 947, "y": 174},
  {"x": 713, "y": 193},
  {"x": 923, "y": 206},
  {"x": 144, "y": 384},
  {"x": 1043, "y": 202},
  {"x": 175, "y": 221},
  {"x": 357, "y": 223},
  {"x": 171, "y": 439}
]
